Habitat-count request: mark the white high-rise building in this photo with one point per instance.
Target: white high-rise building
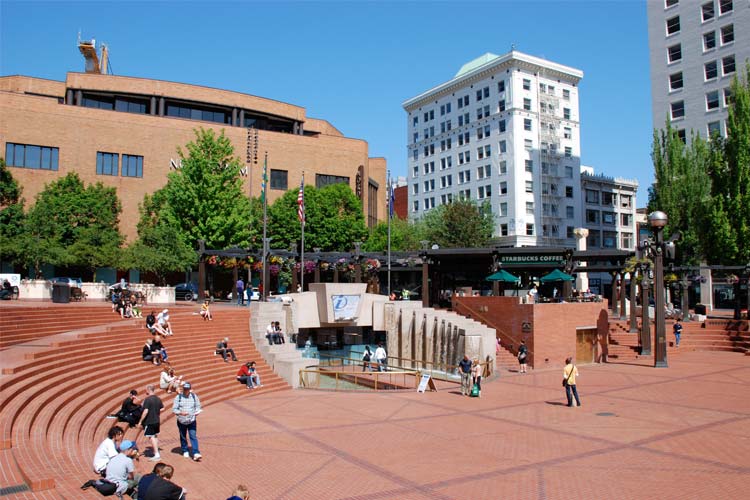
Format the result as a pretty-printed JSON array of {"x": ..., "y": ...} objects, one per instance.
[
  {"x": 505, "y": 131},
  {"x": 697, "y": 47}
]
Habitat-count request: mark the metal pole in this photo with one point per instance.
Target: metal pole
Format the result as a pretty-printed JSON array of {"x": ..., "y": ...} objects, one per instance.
[
  {"x": 660, "y": 340},
  {"x": 633, "y": 317},
  {"x": 302, "y": 248},
  {"x": 645, "y": 320},
  {"x": 390, "y": 210}
]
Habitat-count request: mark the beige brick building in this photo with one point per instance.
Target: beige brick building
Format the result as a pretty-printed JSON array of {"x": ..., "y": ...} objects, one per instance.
[{"x": 125, "y": 132}]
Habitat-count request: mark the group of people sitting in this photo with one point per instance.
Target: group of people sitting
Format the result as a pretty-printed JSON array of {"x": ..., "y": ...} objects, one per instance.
[
  {"x": 154, "y": 351},
  {"x": 113, "y": 462},
  {"x": 159, "y": 323},
  {"x": 249, "y": 376},
  {"x": 274, "y": 333},
  {"x": 126, "y": 303}
]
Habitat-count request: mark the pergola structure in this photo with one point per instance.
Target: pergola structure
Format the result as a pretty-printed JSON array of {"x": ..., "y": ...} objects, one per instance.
[{"x": 439, "y": 269}]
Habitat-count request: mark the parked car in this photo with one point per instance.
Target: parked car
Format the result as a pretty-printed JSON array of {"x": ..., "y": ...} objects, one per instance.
[
  {"x": 255, "y": 294},
  {"x": 71, "y": 282},
  {"x": 186, "y": 291}
]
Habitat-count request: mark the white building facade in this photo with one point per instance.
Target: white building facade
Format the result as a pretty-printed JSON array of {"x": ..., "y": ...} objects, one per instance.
[
  {"x": 610, "y": 216},
  {"x": 696, "y": 48},
  {"x": 504, "y": 131}
]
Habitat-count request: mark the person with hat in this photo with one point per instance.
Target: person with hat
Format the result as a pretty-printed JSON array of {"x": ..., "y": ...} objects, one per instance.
[
  {"x": 162, "y": 323},
  {"x": 187, "y": 406},
  {"x": 120, "y": 470}
]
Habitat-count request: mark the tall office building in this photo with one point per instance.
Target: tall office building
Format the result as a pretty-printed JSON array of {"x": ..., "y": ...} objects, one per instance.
[
  {"x": 697, "y": 47},
  {"x": 505, "y": 131}
]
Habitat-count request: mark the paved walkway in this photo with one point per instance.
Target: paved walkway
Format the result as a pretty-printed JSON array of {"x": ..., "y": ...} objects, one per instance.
[{"x": 681, "y": 432}]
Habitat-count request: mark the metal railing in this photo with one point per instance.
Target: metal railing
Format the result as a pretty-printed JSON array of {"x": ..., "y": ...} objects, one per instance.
[{"x": 322, "y": 377}]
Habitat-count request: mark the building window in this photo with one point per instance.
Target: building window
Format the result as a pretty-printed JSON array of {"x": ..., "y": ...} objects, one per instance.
[
  {"x": 107, "y": 163},
  {"x": 707, "y": 11},
  {"x": 130, "y": 105},
  {"x": 501, "y": 126},
  {"x": 503, "y": 188},
  {"x": 592, "y": 196},
  {"x": 503, "y": 229},
  {"x": 484, "y": 171},
  {"x": 608, "y": 199},
  {"x": 321, "y": 180},
  {"x": 725, "y": 6},
  {"x": 501, "y": 86},
  {"x": 627, "y": 240},
  {"x": 568, "y": 191},
  {"x": 526, "y": 84},
  {"x": 529, "y": 186},
  {"x": 415, "y": 121},
  {"x": 567, "y": 133},
  {"x": 727, "y": 96},
  {"x": 529, "y": 165},
  {"x": 609, "y": 218},
  {"x": 670, "y": 3},
  {"x": 279, "y": 179},
  {"x": 132, "y": 166},
  {"x": 527, "y": 124},
  {"x": 415, "y": 188},
  {"x": 29, "y": 156},
  {"x": 727, "y": 34},
  {"x": 180, "y": 110},
  {"x": 569, "y": 172},
  {"x": 673, "y": 25},
  {"x": 566, "y": 113},
  {"x": 727, "y": 65},
  {"x": 609, "y": 239},
  {"x": 502, "y": 146},
  {"x": 710, "y": 70},
  {"x": 501, "y": 105},
  {"x": 528, "y": 144},
  {"x": 592, "y": 216},
  {"x": 712, "y": 100},
  {"x": 675, "y": 81},
  {"x": 484, "y": 192},
  {"x": 681, "y": 135},
  {"x": 568, "y": 152},
  {"x": 569, "y": 212},
  {"x": 503, "y": 209},
  {"x": 415, "y": 154},
  {"x": 527, "y": 104},
  {"x": 677, "y": 109},
  {"x": 566, "y": 94},
  {"x": 709, "y": 41},
  {"x": 502, "y": 167},
  {"x": 415, "y": 206},
  {"x": 674, "y": 53},
  {"x": 529, "y": 229},
  {"x": 530, "y": 208},
  {"x": 625, "y": 219}
]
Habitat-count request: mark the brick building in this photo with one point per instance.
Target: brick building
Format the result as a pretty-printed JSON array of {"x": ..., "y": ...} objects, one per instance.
[{"x": 125, "y": 131}]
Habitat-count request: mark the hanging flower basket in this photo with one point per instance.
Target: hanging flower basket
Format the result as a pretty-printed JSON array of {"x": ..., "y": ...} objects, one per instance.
[
  {"x": 372, "y": 266},
  {"x": 732, "y": 279},
  {"x": 258, "y": 266},
  {"x": 212, "y": 260},
  {"x": 274, "y": 269},
  {"x": 324, "y": 266}
]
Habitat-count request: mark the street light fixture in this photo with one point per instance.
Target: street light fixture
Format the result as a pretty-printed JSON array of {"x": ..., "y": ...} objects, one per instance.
[{"x": 657, "y": 220}]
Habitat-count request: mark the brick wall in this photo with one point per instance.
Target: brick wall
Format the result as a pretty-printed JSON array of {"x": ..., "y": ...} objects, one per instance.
[{"x": 549, "y": 330}]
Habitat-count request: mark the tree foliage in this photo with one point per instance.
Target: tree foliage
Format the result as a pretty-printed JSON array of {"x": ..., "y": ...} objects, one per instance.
[
  {"x": 461, "y": 224},
  {"x": 334, "y": 219},
  {"x": 203, "y": 200},
  {"x": 704, "y": 187},
  {"x": 73, "y": 224},
  {"x": 405, "y": 235},
  {"x": 12, "y": 216}
]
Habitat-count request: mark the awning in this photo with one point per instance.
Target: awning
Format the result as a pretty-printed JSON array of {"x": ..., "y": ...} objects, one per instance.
[
  {"x": 503, "y": 276},
  {"x": 556, "y": 275}
]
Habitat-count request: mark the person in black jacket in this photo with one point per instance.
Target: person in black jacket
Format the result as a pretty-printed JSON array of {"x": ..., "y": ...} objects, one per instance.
[{"x": 131, "y": 409}]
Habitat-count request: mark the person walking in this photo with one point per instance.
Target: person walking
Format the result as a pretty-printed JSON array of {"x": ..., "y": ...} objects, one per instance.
[
  {"x": 240, "y": 292},
  {"x": 222, "y": 347},
  {"x": 381, "y": 358},
  {"x": 366, "y": 357},
  {"x": 570, "y": 372},
  {"x": 464, "y": 369},
  {"x": 187, "y": 406},
  {"x": 677, "y": 329},
  {"x": 152, "y": 407},
  {"x": 523, "y": 355},
  {"x": 476, "y": 375}
]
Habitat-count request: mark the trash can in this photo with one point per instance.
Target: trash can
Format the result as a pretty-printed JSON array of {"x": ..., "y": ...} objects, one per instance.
[
  {"x": 60, "y": 293},
  {"x": 700, "y": 309}
]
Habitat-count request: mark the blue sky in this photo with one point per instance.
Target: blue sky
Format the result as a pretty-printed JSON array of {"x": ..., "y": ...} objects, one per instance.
[{"x": 353, "y": 62}]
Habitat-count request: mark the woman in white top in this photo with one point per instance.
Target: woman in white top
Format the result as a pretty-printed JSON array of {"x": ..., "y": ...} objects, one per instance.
[{"x": 168, "y": 381}]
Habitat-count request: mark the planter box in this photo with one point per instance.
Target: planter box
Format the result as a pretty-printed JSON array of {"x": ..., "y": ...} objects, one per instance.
[{"x": 35, "y": 290}]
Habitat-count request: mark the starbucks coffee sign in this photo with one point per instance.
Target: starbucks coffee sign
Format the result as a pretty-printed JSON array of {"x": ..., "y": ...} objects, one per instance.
[{"x": 555, "y": 259}]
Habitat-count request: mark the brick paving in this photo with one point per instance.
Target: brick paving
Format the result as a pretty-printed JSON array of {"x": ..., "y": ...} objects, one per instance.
[{"x": 681, "y": 432}]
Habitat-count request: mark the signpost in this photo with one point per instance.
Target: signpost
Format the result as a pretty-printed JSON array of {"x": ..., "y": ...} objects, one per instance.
[{"x": 426, "y": 381}]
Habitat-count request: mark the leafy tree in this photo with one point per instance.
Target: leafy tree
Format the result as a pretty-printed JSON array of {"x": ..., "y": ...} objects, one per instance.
[
  {"x": 204, "y": 198},
  {"x": 160, "y": 248},
  {"x": 461, "y": 224},
  {"x": 405, "y": 235},
  {"x": 334, "y": 219},
  {"x": 73, "y": 224},
  {"x": 11, "y": 216}
]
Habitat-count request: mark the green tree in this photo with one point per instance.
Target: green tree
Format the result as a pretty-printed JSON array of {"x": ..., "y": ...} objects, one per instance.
[
  {"x": 204, "y": 199},
  {"x": 11, "y": 216},
  {"x": 73, "y": 224},
  {"x": 405, "y": 235},
  {"x": 461, "y": 224},
  {"x": 334, "y": 219},
  {"x": 160, "y": 248}
]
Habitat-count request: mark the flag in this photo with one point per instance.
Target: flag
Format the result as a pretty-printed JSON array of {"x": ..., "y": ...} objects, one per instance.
[
  {"x": 264, "y": 182},
  {"x": 301, "y": 201},
  {"x": 391, "y": 199}
]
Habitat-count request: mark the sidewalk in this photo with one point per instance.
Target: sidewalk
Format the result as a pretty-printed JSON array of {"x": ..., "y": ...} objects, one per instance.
[{"x": 642, "y": 432}]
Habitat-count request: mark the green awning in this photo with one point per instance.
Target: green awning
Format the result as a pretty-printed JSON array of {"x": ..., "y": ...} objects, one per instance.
[
  {"x": 503, "y": 276},
  {"x": 556, "y": 275}
]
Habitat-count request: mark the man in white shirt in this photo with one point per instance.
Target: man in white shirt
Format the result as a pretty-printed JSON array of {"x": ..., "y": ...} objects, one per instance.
[
  {"x": 270, "y": 332},
  {"x": 107, "y": 450},
  {"x": 381, "y": 358}
]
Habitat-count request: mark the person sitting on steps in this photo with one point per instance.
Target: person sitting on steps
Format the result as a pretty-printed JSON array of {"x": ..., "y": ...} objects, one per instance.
[{"x": 222, "y": 347}]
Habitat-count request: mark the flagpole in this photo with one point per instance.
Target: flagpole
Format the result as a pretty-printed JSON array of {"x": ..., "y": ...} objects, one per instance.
[
  {"x": 390, "y": 211},
  {"x": 302, "y": 248},
  {"x": 265, "y": 225}
]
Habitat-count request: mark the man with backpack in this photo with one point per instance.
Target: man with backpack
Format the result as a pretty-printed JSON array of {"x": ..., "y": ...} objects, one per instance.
[{"x": 187, "y": 406}]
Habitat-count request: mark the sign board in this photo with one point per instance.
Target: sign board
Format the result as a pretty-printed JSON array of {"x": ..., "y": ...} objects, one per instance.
[
  {"x": 345, "y": 307},
  {"x": 14, "y": 279},
  {"x": 425, "y": 381},
  {"x": 533, "y": 259}
]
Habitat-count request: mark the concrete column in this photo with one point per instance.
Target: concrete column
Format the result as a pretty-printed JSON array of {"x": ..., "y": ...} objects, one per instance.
[
  {"x": 425, "y": 283},
  {"x": 582, "y": 279},
  {"x": 234, "y": 117},
  {"x": 161, "y": 106},
  {"x": 78, "y": 98},
  {"x": 69, "y": 97},
  {"x": 707, "y": 296},
  {"x": 623, "y": 312},
  {"x": 152, "y": 107}
]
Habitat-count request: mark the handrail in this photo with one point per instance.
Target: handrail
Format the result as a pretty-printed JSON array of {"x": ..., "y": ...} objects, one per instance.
[
  {"x": 486, "y": 321},
  {"x": 373, "y": 377}
]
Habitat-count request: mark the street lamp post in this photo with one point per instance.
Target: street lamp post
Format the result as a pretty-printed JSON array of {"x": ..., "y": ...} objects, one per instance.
[
  {"x": 657, "y": 220},
  {"x": 645, "y": 339},
  {"x": 633, "y": 319}
]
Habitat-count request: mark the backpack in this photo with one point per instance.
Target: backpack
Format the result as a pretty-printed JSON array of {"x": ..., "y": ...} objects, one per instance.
[
  {"x": 185, "y": 420},
  {"x": 105, "y": 487},
  {"x": 474, "y": 391}
]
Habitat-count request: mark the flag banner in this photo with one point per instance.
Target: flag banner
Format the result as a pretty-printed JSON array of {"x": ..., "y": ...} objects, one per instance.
[
  {"x": 391, "y": 199},
  {"x": 301, "y": 201}
]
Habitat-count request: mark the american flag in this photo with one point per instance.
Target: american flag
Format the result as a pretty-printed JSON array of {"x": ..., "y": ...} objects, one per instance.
[{"x": 301, "y": 201}]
